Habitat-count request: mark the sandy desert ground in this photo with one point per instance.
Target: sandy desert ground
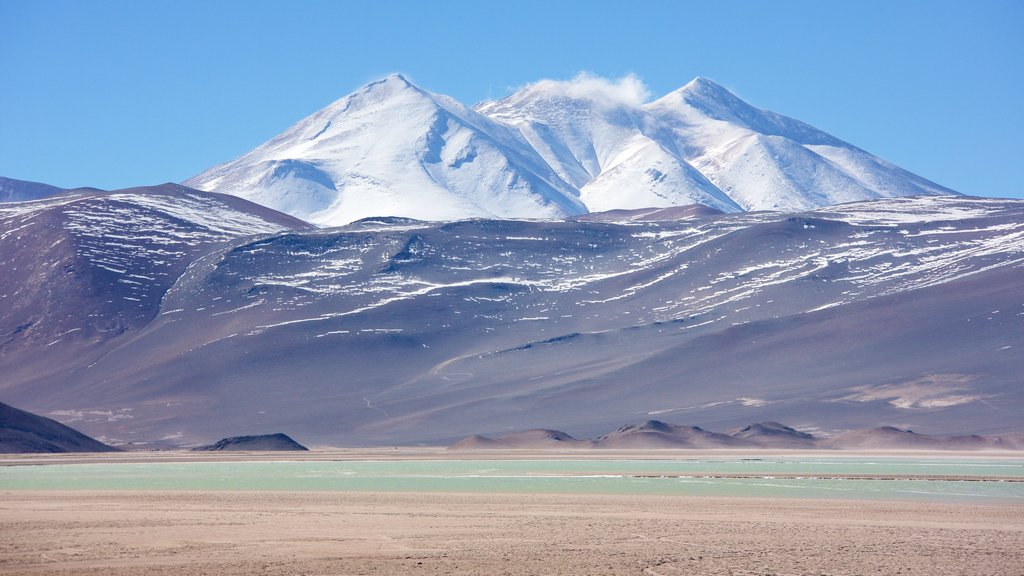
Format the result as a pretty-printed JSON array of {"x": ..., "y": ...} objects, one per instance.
[{"x": 282, "y": 533}]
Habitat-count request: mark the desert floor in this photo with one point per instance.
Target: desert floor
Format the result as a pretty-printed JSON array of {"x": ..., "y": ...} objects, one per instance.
[{"x": 319, "y": 533}]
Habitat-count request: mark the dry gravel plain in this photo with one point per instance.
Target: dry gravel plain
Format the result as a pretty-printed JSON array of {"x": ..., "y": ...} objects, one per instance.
[{"x": 288, "y": 533}]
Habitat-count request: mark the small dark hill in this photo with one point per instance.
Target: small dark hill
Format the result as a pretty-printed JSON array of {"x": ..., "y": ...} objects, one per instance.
[
  {"x": 1011, "y": 441},
  {"x": 265, "y": 443},
  {"x": 22, "y": 432},
  {"x": 891, "y": 438},
  {"x": 476, "y": 442},
  {"x": 774, "y": 435},
  {"x": 770, "y": 435},
  {"x": 650, "y": 214},
  {"x": 12, "y": 190},
  {"x": 527, "y": 439},
  {"x": 657, "y": 434}
]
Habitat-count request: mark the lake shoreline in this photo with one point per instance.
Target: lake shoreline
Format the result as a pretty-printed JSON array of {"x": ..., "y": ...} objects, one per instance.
[
  {"x": 895, "y": 477},
  {"x": 443, "y": 453}
]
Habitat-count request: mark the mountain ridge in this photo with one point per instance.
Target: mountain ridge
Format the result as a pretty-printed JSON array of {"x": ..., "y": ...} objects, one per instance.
[
  {"x": 393, "y": 331},
  {"x": 13, "y": 190}
]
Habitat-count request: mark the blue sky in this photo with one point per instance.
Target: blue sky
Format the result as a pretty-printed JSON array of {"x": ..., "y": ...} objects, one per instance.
[{"x": 119, "y": 93}]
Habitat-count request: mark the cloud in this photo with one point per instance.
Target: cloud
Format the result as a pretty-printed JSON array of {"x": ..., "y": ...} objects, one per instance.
[{"x": 628, "y": 90}]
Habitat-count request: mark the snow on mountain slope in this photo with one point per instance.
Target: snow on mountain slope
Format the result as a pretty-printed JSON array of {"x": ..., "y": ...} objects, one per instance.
[
  {"x": 766, "y": 161},
  {"x": 579, "y": 127},
  {"x": 773, "y": 173},
  {"x": 652, "y": 177},
  {"x": 597, "y": 137},
  {"x": 886, "y": 180},
  {"x": 711, "y": 101},
  {"x": 722, "y": 152},
  {"x": 88, "y": 266},
  {"x": 392, "y": 149}
]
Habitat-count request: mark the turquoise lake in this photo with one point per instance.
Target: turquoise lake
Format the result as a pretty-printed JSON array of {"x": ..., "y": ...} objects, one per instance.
[{"x": 684, "y": 477}]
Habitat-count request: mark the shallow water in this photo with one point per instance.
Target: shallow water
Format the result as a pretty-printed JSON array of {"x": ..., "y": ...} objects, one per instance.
[{"x": 684, "y": 477}]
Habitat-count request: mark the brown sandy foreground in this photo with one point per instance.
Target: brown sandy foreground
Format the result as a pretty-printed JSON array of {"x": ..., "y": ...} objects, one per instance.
[{"x": 289, "y": 533}]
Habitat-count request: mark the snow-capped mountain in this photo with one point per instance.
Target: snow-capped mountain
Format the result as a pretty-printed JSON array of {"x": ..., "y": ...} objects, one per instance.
[
  {"x": 766, "y": 161},
  {"x": 393, "y": 149},
  {"x": 604, "y": 144},
  {"x": 552, "y": 149}
]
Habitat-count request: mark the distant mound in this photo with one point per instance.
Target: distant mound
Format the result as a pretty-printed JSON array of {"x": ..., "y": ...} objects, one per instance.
[
  {"x": 476, "y": 442},
  {"x": 25, "y": 433},
  {"x": 651, "y": 214},
  {"x": 374, "y": 222},
  {"x": 775, "y": 435},
  {"x": 892, "y": 438},
  {"x": 658, "y": 434},
  {"x": 655, "y": 434},
  {"x": 528, "y": 439},
  {"x": 1012, "y": 441},
  {"x": 12, "y": 190},
  {"x": 265, "y": 443}
]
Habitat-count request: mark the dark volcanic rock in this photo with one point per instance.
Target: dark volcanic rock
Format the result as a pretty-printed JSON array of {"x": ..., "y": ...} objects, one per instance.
[
  {"x": 264, "y": 443},
  {"x": 24, "y": 432}
]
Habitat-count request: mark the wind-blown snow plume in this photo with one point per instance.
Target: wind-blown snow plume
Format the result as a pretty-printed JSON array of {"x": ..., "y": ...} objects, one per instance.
[{"x": 628, "y": 91}]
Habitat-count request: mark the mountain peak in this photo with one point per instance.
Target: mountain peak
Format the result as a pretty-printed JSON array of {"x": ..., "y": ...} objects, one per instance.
[
  {"x": 389, "y": 85},
  {"x": 395, "y": 78},
  {"x": 702, "y": 82},
  {"x": 712, "y": 100},
  {"x": 709, "y": 93}
]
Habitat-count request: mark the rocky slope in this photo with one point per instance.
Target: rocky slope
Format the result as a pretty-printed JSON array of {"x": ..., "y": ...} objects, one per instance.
[
  {"x": 392, "y": 331},
  {"x": 23, "y": 432}
]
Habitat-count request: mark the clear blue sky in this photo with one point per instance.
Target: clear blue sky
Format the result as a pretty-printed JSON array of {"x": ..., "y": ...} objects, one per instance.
[{"x": 118, "y": 93}]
